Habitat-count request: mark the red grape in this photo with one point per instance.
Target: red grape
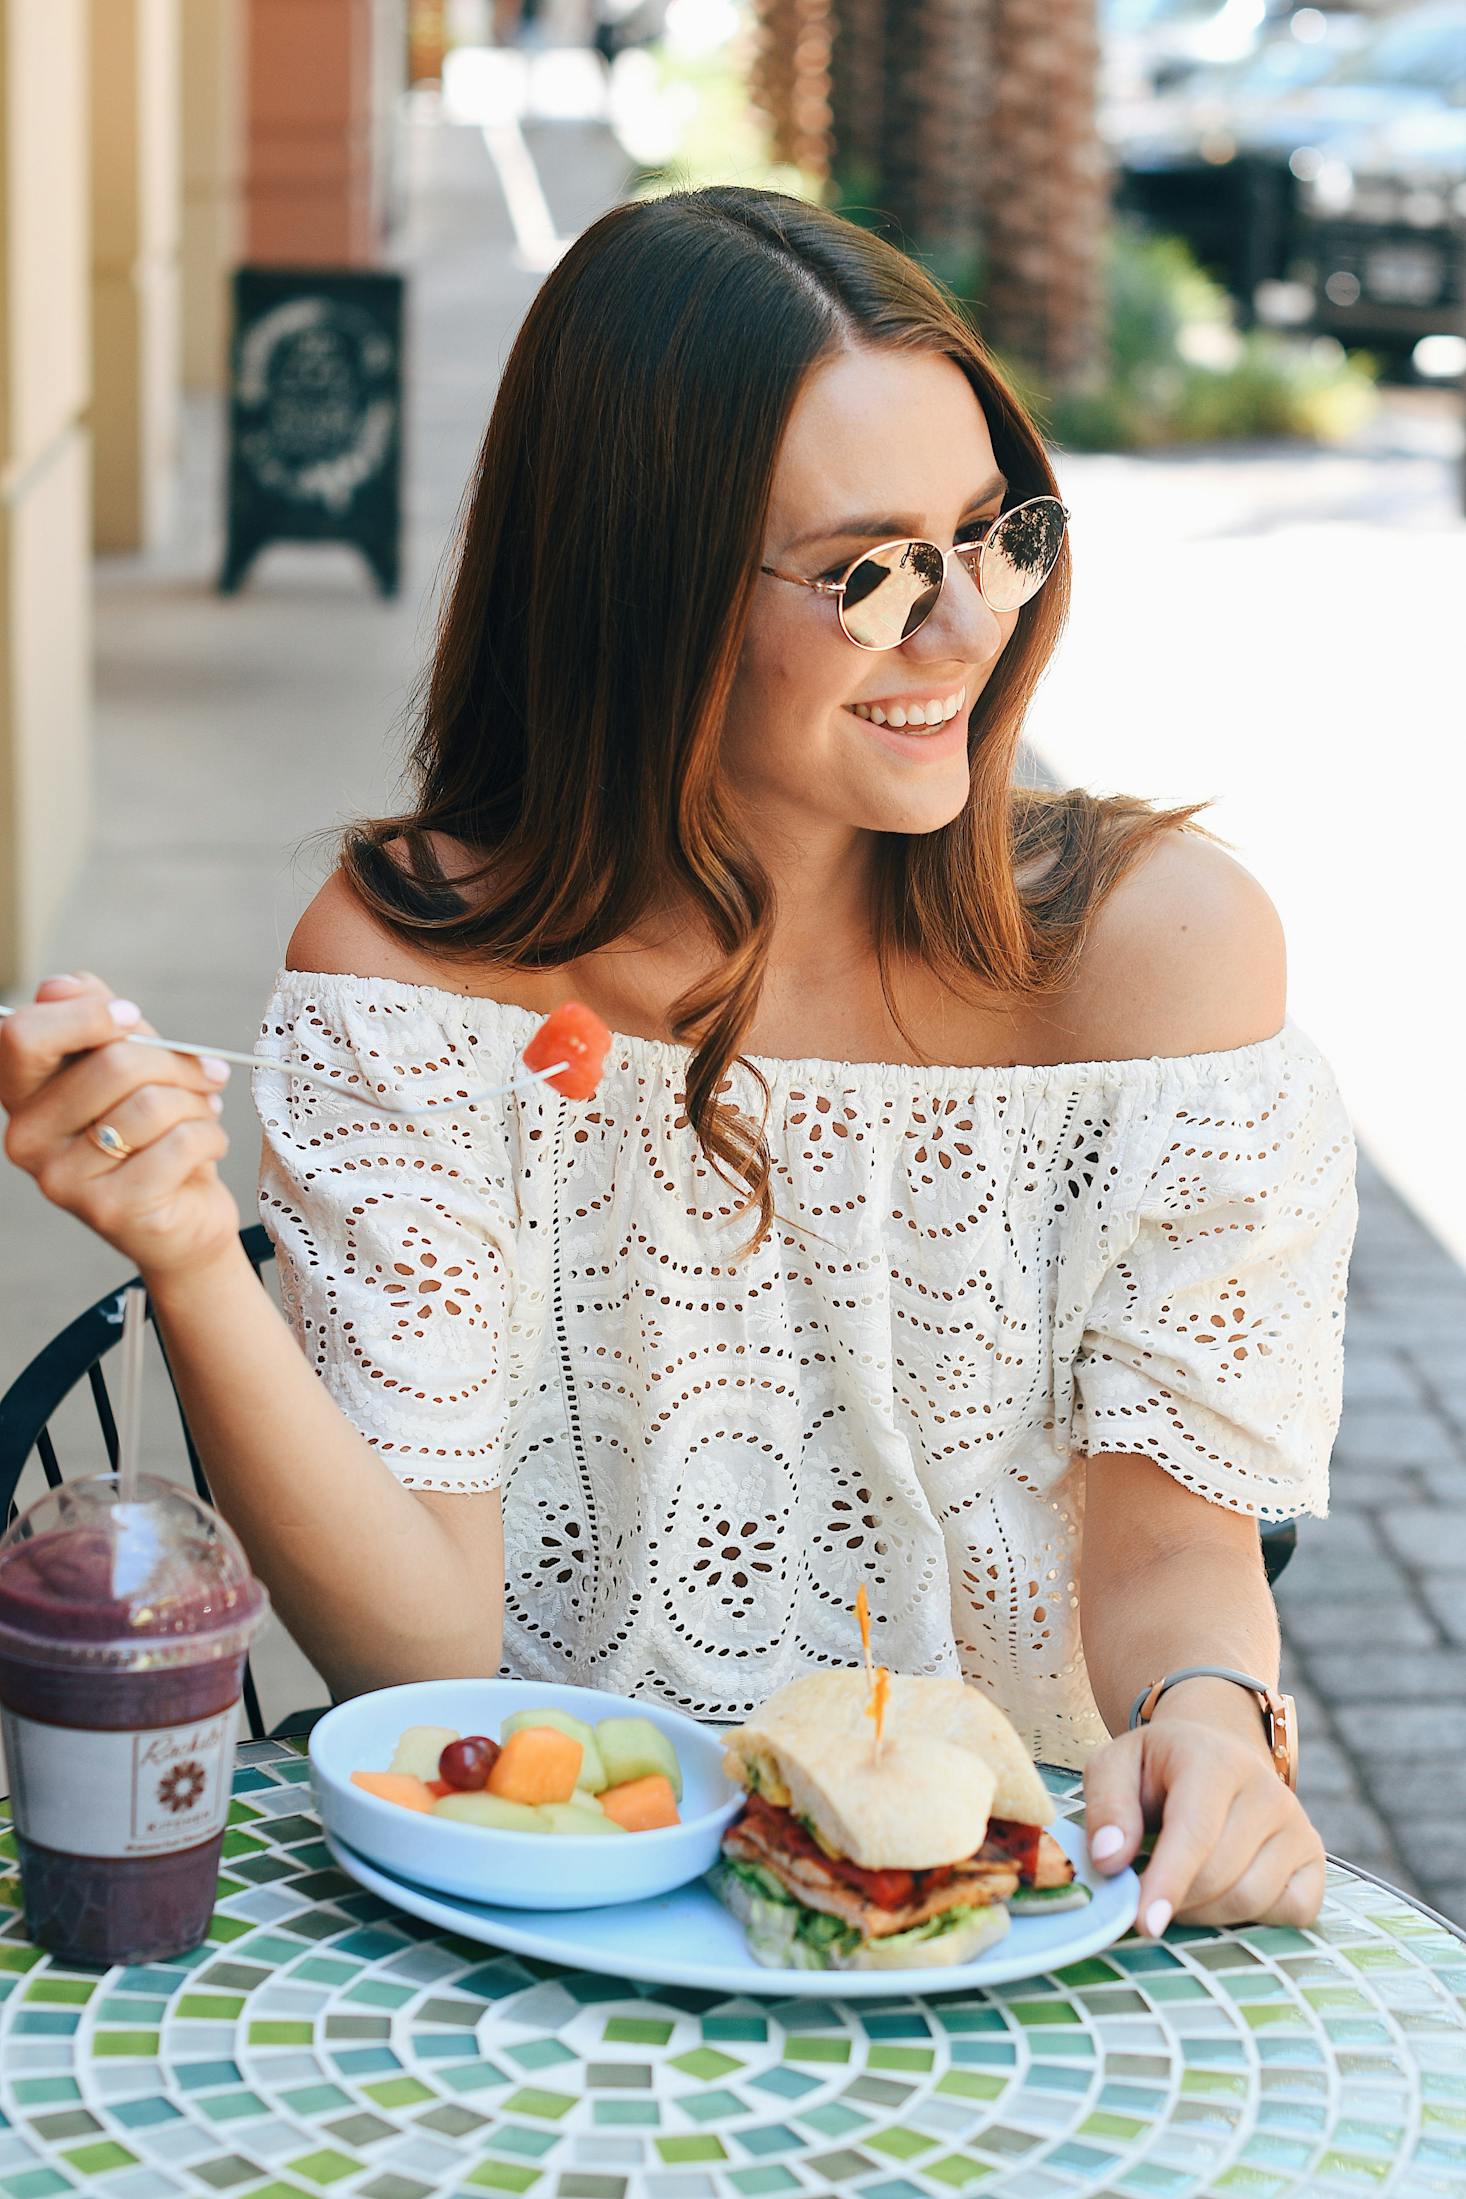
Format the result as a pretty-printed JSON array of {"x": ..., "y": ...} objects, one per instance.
[{"x": 466, "y": 1764}]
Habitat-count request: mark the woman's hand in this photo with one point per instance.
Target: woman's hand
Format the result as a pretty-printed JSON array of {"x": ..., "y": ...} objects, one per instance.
[
  {"x": 63, "y": 1068},
  {"x": 1234, "y": 1845}
]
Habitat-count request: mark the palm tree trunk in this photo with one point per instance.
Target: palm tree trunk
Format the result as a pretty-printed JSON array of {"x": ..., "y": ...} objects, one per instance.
[
  {"x": 1045, "y": 192},
  {"x": 790, "y": 80}
]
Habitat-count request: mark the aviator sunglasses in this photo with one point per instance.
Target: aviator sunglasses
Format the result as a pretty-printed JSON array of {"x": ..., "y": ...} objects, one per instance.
[{"x": 885, "y": 594}]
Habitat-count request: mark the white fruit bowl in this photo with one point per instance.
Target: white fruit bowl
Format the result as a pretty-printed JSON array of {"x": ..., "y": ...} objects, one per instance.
[{"x": 517, "y": 1870}]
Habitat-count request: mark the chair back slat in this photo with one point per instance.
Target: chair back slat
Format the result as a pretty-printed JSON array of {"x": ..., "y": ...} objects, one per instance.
[
  {"x": 50, "y": 1465},
  {"x": 254, "y": 1716},
  {"x": 105, "y": 1418}
]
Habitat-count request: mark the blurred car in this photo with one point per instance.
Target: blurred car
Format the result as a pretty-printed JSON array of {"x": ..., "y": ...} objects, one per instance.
[
  {"x": 1220, "y": 163},
  {"x": 1380, "y": 250}
]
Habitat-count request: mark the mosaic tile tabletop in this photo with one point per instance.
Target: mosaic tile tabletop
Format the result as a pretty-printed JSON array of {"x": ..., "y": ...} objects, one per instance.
[{"x": 321, "y": 2043}]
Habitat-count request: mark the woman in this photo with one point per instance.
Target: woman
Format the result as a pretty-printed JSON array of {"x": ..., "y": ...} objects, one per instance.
[{"x": 958, "y": 1212}]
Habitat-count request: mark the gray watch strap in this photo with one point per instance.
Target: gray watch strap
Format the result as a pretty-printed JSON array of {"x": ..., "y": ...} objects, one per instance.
[{"x": 1196, "y": 1672}]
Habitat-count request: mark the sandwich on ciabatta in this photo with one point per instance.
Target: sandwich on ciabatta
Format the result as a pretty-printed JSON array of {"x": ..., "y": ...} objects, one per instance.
[{"x": 911, "y": 1847}]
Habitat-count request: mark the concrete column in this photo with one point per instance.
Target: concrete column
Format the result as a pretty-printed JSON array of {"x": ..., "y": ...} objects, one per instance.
[
  {"x": 45, "y": 469},
  {"x": 213, "y": 89},
  {"x": 311, "y": 192},
  {"x": 135, "y": 268}
]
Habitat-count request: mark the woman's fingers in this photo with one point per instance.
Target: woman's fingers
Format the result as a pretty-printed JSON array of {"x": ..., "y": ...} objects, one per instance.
[
  {"x": 37, "y": 1040},
  {"x": 1282, "y": 1883},
  {"x": 113, "y": 1196},
  {"x": 1114, "y": 1812},
  {"x": 1261, "y": 1812},
  {"x": 104, "y": 1083}
]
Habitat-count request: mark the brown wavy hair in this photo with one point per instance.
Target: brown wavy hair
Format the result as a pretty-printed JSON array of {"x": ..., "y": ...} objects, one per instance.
[{"x": 609, "y": 549}]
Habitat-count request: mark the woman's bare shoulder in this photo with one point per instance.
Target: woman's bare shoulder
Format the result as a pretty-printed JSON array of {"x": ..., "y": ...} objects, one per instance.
[
  {"x": 339, "y": 936},
  {"x": 1186, "y": 955}
]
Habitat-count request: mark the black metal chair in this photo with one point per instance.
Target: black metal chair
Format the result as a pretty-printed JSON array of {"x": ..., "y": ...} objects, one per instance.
[
  {"x": 36, "y": 1395},
  {"x": 32, "y": 1400}
]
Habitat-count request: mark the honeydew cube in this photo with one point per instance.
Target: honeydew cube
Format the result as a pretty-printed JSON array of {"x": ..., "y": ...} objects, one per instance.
[
  {"x": 569, "y": 1817},
  {"x": 592, "y": 1770},
  {"x": 488, "y": 1811},
  {"x": 632, "y": 1747},
  {"x": 419, "y": 1749},
  {"x": 583, "y": 1799}
]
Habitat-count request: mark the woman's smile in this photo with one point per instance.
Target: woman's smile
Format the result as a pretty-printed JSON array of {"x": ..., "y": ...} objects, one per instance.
[{"x": 926, "y": 727}]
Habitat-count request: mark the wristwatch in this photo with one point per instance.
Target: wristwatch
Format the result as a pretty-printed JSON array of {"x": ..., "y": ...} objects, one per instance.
[{"x": 1279, "y": 1712}]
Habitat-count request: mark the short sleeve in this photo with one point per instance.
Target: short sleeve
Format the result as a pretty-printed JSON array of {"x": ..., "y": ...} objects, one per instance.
[
  {"x": 1214, "y": 1340},
  {"x": 395, "y": 1238}
]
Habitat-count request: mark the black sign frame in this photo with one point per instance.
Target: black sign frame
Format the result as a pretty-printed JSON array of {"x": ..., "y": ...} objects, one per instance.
[{"x": 315, "y": 415}]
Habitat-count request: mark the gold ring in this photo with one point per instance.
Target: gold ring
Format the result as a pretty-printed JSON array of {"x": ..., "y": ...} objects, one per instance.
[{"x": 110, "y": 1141}]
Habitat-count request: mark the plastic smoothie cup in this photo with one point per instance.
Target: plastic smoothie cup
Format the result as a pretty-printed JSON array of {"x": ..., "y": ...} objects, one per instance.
[{"x": 124, "y": 1628}]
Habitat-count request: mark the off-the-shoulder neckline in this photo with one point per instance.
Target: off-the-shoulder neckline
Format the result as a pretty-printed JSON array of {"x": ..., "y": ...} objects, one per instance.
[{"x": 780, "y": 1068}]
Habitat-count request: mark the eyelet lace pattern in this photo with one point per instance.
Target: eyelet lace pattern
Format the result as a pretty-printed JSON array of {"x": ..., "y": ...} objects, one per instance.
[{"x": 982, "y": 1277}]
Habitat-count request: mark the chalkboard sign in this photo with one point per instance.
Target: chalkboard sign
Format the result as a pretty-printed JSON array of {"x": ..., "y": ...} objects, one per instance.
[{"x": 315, "y": 419}]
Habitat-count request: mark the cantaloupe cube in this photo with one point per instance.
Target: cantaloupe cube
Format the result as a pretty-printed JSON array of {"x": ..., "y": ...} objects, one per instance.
[
  {"x": 395, "y": 1786},
  {"x": 641, "y": 1805},
  {"x": 537, "y": 1764}
]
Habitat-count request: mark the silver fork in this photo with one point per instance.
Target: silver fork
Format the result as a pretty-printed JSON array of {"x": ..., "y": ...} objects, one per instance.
[{"x": 328, "y": 1083}]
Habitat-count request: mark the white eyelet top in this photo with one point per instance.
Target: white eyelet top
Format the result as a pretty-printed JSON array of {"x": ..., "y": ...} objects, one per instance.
[{"x": 997, "y": 1272}]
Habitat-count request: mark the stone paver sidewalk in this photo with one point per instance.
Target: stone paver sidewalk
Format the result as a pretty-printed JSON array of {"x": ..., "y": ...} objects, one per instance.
[{"x": 1374, "y": 1604}]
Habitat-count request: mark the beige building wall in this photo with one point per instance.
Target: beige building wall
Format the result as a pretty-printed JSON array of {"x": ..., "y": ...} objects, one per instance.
[
  {"x": 45, "y": 469},
  {"x": 212, "y": 85},
  {"x": 136, "y": 224}
]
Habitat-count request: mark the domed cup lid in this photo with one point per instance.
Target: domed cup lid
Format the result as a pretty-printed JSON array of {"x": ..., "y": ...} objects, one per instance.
[{"x": 90, "y": 1579}]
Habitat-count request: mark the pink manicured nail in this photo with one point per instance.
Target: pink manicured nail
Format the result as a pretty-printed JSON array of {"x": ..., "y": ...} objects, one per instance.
[
  {"x": 1157, "y": 1917},
  {"x": 214, "y": 1069},
  {"x": 216, "y": 1103},
  {"x": 1109, "y": 1840},
  {"x": 124, "y": 1011},
  {"x": 62, "y": 977}
]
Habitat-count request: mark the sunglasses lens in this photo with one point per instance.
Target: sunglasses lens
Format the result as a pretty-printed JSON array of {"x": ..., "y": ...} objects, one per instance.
[
  {"x": 1021, "y": 552},
  {"x": 889, "y": 594}
]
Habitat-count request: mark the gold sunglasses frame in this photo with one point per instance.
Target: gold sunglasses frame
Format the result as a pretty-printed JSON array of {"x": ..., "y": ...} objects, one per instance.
[{"x": 962, "y": 551}]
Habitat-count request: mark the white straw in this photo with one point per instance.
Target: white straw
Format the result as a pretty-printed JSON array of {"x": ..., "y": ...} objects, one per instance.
[
  {"x": 328, "y": 1083},
  {"x": 130, "y": 1397}
]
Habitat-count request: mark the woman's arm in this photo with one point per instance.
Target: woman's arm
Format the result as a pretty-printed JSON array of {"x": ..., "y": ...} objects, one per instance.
[
  {"x": 377, "y": 1583},
  {"x": 1169, "y": 1579}
]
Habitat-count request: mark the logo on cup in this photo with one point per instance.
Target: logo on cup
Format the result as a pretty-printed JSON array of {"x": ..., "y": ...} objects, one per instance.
[{"x": 183, "y": 1786}]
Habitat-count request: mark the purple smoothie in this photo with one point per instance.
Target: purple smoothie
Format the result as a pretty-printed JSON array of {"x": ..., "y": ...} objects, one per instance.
[{"x": 123, "y": 1634}]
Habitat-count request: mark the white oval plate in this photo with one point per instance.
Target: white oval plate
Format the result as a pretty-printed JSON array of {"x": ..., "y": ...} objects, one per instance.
[{"x": 689, "y": 1938}]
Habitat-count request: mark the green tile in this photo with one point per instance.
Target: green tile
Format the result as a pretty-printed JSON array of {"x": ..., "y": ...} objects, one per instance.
[
  {"x": 626, "y": 2111},
  {"x": 711, "y": 2107},
  {"x": 833, "y": 2120},
  {"x": 396, "y": 2091},
  {"x": 1093, "y": 1972},
  {"x": 913, "y": 2058},
  {"x": 638, "y": 2031},
  {"x": 14, "y": 1956},
  {"x": 209, "y": 2007},
  {"x": 380, "y": 1993},
  {"x": 98, "y": 2159},
  {"x": 1103, "y": 2125},
  {"x": 36, "y": 2183},
  {"x": 44, "y": 2091},
  {"x": 226, "y": 1928},
  {"x": 540, "y": 2054},
  {"x": 503, "y": 2176},
  {"x": 324, "y": 2166},
  {"x": 1359, "y": 2165},
  {"x": 763, "y": 2183},
  {"x": 232, "y": 2107},
  {"x": 804, "y": 2049},
  {"x": 971, "y": 2084},
  {"x": 735, "y": 2027},
  {"x": 549, "y": 2106},
  {"x": 70, "y": 1992},
  {"x": 317, "y": 2099},
  {"x": 140, "y": 2045},
  {"x": 902, "y": 2144},
  {"x": 682, "y": 2152},
  {"x": 704, "y": 2062},
  {"x": 1036, "y": 2013},
  {"x": 959, "y": 2172},
  {"x": 240, "y": 1843},
  {"x": 267, "y": 2032}
]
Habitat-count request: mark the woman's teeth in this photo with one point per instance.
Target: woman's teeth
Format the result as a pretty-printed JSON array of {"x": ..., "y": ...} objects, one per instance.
[{"x": 907, "y": 717}]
